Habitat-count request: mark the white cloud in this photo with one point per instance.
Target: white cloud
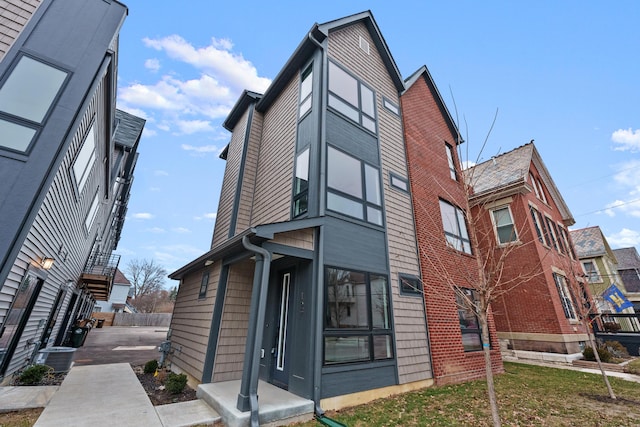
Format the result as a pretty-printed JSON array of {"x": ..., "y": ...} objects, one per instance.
[
  {"x": 160, "y": 172},
  {"x": 154, "y": 189},
  {"x": 147, "y": 133},
  {"x": 156, "y": 230},
  {"x": 624, "y": 238},
  {"x": 210, "y": 215},
  {"x": 143, "y": 215},
  {"x": 628, "y": 180},
  {"x": 181, "y": 230},
  {"x": 188, "y": 127},
  {"x": 216, "y": 59},
  {"x": 188, "y": 104},
  {"x": 200, "y": 149},
  {"x": 627, "y": 140},
  {"x": 152, "y": 64}
]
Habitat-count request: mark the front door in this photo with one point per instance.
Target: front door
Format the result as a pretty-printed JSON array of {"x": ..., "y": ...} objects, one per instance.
[
  {"x": 282, "y": 348},
  {"x": 51, "y": 322}
]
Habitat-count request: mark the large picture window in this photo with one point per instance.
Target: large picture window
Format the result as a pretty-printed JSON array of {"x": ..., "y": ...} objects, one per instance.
[
  {"x": 354, "y": 187},
  {"x": 357, "y": 317},
  {"x": 26, "y": 97},
  {"x": 351, "y": 97},
  {"x": 455, "y": 227},
  {"x": 469, "y": 325}
]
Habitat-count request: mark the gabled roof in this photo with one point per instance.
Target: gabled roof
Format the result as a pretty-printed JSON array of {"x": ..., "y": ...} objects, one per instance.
[
  {"x": 590, "y": 243},
  {"x": 317, "y": 34},
  {"x": 509, "y": 172},
  {"x": 628, "y": 258},
  {"x": 120, "y": 278},
  {"x": 424, "y": 73}
]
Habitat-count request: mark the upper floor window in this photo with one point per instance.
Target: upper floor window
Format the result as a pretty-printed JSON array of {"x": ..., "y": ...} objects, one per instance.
[
  {"x": 452, "y": 165},
  {"x": 391, "y": 106},
  {"x": 567, "y": 243},
  {"x": 535, "y": 215},
  {"x": 306, "y": 87},
  {"x": 301, "y": 184},
  {"x": 398, "y": 182},
  {"x": 353, "y": 187},
  {"x": 357, "y": 317},
  {"x": 537, "y": 187},
  {"x": 505, "y": 229},
  {"x": 26, "y": 96},
  {"x": 351, "y": 97},
  {"x": 590, "y": 268},
  {"x": 553, "y": 239},
  {"x": 565, "y": 296},
  {"x": 83, "y": 164},
  {"x": 455, "y": 227}
]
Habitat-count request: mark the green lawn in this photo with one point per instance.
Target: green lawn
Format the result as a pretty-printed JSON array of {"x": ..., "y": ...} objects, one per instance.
[{"x": 528, "y": 395}]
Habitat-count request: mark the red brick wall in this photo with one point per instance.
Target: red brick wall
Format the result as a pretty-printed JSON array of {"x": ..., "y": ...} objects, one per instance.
[
  {"x": 426, "y": 132},
  {"x": 530, "y": 306}
]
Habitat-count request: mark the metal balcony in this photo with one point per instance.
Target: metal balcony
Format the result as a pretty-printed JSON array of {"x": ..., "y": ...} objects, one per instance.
[{"x": 98, "y": 274}]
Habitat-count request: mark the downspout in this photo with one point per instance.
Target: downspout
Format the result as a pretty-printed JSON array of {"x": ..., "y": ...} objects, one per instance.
[
  {"x": 263, "y": 266},
  {"x": 317, "y": 371}
]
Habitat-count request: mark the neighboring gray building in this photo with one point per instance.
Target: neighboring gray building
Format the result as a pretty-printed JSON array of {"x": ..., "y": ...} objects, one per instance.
[
  {"x": 66, "y": 163},
  {"x": 629, "y": 271}
]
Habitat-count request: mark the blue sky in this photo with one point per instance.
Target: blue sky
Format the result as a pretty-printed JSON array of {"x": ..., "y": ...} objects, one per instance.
[{"x": 565, "y": 74}]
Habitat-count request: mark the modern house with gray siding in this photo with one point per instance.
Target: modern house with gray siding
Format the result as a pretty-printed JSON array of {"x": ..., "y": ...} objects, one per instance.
[
  {"x": 313, "y": 281},
  {"x": 66, "y": 166}
]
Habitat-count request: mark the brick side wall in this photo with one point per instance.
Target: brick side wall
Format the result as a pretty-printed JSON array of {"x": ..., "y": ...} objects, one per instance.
[
  {"x": 425, "y": 135},
  {"x": 534, "y": 306}
]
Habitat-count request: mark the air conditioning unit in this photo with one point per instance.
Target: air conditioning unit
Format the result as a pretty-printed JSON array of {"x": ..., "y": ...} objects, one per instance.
[{"x": 59, "y": 358}]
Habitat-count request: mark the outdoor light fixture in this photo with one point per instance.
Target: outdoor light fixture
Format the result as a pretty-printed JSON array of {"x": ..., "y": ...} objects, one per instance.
[
  {"x": 208, "y": 262},
  {"x": 47, "y": 263}
]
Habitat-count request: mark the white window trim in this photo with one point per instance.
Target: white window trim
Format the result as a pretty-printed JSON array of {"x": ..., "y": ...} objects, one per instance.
[
  {"x": 495, "y": 226},
  {"x": 597, "y": 270}
]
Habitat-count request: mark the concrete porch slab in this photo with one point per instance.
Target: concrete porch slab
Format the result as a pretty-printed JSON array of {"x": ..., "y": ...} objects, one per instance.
[
  {"x": 276, "y": 406},
  {"x": 184, "y": 414}
]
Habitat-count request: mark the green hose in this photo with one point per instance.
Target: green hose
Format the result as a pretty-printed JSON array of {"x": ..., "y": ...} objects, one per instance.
[{"x": 330, "y": 422}]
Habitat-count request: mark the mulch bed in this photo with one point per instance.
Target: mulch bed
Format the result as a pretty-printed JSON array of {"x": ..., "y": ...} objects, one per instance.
[{"x": 156, "y": 392}]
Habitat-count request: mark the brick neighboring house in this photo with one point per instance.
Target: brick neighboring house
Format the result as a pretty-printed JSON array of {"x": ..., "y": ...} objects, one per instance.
[
  {"x": 517, "y": 203},
  {"x": 629, "y": 271},
  {"x": 439, "y": 200},
  {"x": 310, "y": 282},
  {"x": 600, "y": 265}
]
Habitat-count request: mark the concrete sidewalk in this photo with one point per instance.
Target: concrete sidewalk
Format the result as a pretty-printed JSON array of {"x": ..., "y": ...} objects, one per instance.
[{"x": 104, "y": 395}]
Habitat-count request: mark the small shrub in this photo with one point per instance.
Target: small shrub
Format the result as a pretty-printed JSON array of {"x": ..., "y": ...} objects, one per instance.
[
  {"x": 616, "y": 349},
  {"x": 151, "y": 366},
  {"x": 34, "y": 374},
  {"x": 633, "y": 367},
  {"x": 604, "y": 354},
  {"x": 175, "y": 383}
]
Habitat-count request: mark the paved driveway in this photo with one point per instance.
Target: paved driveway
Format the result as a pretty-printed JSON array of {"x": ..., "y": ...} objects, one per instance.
[{"x": 121, "y": 344}]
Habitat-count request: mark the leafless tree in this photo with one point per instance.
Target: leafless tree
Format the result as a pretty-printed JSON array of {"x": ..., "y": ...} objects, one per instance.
[
  {"x": 146, "y": 277},
  {"x": 154, "y": 302}
]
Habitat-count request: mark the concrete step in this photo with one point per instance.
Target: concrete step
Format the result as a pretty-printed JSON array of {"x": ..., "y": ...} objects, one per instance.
[
  {"x": 185, "y": 414},
  {"x": 276, "y": 406}
]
